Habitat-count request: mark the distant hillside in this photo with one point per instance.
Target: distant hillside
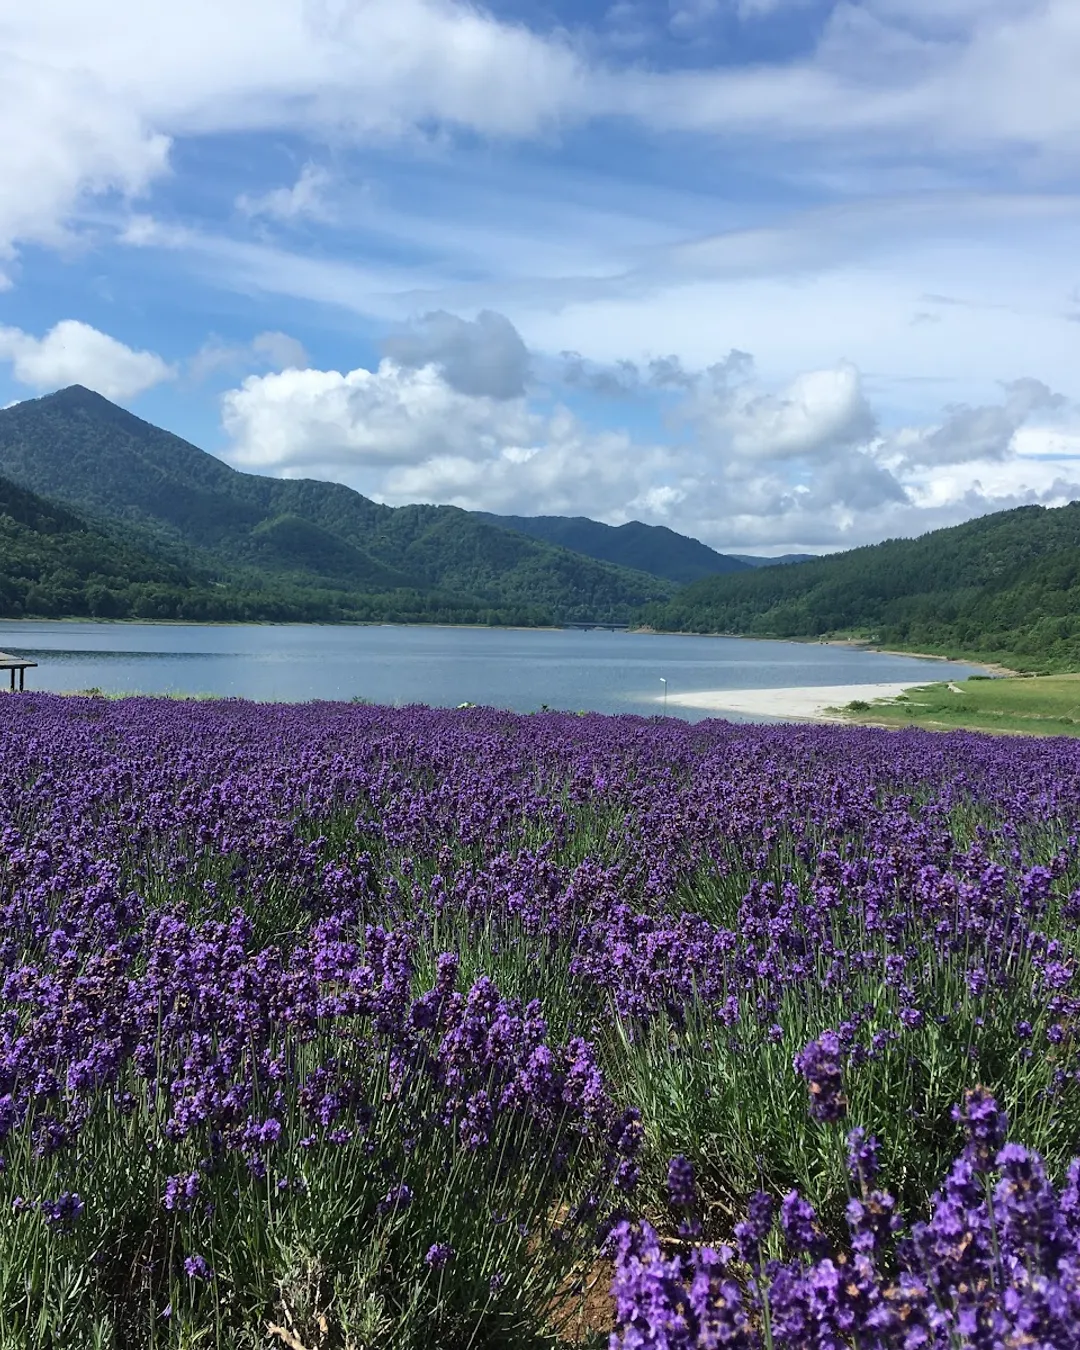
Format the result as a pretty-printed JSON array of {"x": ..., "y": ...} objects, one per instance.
[
  {"x": 1005, "y": 586},
  {"x": 300, "y": 536},
  {"x": 752, "y": 560},
  {"x": 648, "y": 548}
]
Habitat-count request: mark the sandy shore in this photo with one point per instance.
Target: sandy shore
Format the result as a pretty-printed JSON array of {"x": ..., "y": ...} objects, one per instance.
[{"x": 806, "y": 704}]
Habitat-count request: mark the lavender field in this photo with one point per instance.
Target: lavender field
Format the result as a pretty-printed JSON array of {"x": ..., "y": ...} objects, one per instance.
[{"x": 334, "y": 1026}]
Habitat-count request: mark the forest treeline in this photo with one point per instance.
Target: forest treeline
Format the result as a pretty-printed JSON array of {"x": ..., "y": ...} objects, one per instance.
[{"x": 1004, "y": 587}]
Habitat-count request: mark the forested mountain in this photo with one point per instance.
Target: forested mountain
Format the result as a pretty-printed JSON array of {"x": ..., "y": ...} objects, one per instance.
[
  {"x": 648, "y": 548},
  {"x": 53, "y": 563},
  {"x": 1006, "y": 585},
  {"x": 299, "y": 537}
]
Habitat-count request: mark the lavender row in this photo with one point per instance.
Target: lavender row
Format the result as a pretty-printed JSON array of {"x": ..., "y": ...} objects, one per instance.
[{"x": 361, "y": 1022}]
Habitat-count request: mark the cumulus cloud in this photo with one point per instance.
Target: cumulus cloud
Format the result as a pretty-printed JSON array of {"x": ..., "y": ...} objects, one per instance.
[
  {"x": 75, "y": 353},
  {"x": 305, "y": 199},
  {"x": 817, "y": 413},
  {"x": 623, "y": 379},
  {"x": 405, "y": 434},
  {"x": 802, "y": 465},
  {"x": 484, "y": 356},
  {"x": 392, "y": 416}
]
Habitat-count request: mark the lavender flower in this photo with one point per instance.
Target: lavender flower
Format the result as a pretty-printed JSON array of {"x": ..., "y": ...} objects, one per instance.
[
  {"x": 862, "y": 1157},
  {"x": 439, "y": 1255},
  {"x": 984, "y": 1126},
  {"x": 63, "y": 1211},
  {"x": 820, "y": 1064},
  {"x": 681, "y": 1186}
]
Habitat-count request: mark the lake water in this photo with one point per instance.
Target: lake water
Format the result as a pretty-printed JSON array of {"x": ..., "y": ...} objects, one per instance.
[{"x": 518, "y": 669}]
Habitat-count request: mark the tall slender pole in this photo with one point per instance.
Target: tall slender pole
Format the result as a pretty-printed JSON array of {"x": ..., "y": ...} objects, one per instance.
[{"x": 664, "y": 683}]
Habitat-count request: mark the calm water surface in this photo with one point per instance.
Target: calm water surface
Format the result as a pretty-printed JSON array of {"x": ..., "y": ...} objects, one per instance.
[{"x": 518, "y": 669}]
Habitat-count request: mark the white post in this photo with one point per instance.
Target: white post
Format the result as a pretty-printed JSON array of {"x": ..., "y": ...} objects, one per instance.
[{"x": 664, "y": 683}]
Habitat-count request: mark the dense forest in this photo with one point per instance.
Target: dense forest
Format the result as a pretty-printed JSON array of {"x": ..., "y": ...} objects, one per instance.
[
  {"x": 1005, "y": 586},
  {"x": 289, "y": 547},
  {"x": 55, "y": 565}
]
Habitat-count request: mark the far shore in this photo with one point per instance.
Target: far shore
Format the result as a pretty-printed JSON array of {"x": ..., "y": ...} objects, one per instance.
[{"x": 859, "y": 645}]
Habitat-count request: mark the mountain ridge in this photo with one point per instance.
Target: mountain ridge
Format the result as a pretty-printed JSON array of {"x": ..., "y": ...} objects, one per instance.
[{"x": 119, "y": 471}]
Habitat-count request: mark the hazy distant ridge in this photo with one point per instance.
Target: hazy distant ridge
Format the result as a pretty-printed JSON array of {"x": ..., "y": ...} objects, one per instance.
[{"x": 649, "y": 548}]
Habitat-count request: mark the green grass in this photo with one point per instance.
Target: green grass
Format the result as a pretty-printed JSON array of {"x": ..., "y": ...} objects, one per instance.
[{"x": 1043, "y": 705}]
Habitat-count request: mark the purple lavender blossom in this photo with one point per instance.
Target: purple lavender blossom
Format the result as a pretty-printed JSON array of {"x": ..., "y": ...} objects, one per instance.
[
  {"x": 984, "y": 1126},
  {"x": 862, "y": 1156},
  {"x": 820, "y": 1064},
  {"x": 681, "y": 1186},
  {"x": 980, "y": 1272},
  {"x": 397, "y": 1198},
  {"x": 439, "y": 1255},
  {"x": 754, "y": 1230},
  {"x": 63, "y": 1211}
]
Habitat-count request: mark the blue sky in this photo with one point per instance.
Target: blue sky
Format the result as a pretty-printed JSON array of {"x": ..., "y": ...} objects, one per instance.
[{"x": 777, "y": 273}]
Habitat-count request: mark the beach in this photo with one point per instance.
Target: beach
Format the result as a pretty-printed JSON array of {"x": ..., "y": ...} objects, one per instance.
[{"x": 805, "y": 704}]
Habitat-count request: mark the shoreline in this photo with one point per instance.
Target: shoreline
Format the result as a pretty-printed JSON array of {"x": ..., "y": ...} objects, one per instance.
[{"x": 802, "y": 703}]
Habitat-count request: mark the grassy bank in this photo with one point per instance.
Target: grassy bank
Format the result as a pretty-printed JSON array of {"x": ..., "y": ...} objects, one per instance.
[{"x": 1044, "y": 705}]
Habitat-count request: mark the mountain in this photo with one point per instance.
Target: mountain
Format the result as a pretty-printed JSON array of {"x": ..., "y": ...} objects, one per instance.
[
  {"x": 299, "y": 536},
  {"x": 647, "y": 548},
  {"x": 752, "y": 560},
  {"x": 1005, "y": 587},
  {"x": 53, "y": 563}
]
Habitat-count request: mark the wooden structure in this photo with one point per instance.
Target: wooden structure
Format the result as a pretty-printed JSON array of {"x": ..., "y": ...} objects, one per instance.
[{"x": 16, "y": 663}]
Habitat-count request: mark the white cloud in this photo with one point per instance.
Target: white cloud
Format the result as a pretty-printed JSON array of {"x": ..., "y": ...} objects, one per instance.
[
  {"x": 97, "y": 87},
  {"x": 997, "y": 78},
  {"x": 986, "y": 433},
  {"x": 305, "y": 199},
  {"x": 759, "y": 9},
  {"x": 819, "y": 412},
  {"x": 804, "y": 465},
  {"x": 393, "y": 416},
  {"x": 68, "y": 133},
  {"x": 75, "y": 353},
  {"x": 406, "y": 435},
  {"x": 569, "y": 470},
  {"x": 280, "y": 350}
]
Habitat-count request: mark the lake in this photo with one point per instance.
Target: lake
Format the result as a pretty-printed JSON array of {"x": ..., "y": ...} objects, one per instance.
[{"x": 507, "y": 668}]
